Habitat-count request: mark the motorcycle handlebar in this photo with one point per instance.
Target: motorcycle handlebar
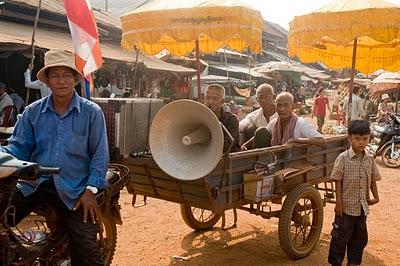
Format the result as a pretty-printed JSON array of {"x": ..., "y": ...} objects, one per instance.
[{"x": 48, "y": 170}]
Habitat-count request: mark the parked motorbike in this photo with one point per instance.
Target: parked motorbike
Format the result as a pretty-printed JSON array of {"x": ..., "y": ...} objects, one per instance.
[
  {"x": 386, "y": 141},
  {"x": 40, "y": 239}
]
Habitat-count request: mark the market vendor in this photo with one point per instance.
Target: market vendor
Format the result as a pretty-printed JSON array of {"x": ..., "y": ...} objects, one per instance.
[
  {"x": 249, "y": 128},
  {"x": 384, "y": 109},
  {"x": 214, "y": 99},
  {"x": 289, "y": 128}
]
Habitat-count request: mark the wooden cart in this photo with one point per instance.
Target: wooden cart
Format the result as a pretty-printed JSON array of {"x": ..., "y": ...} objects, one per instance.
[{"x": 300, "y": 175}]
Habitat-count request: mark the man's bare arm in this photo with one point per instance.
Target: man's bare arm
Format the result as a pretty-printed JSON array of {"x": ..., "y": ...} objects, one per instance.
[{"x": 317, "y": 141}]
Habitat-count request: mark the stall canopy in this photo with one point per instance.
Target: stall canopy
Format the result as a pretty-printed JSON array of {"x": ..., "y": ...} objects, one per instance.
[
  {"x": 386, "y": 82},
  {"x": 328, "y": 35},
  {"x": 236, "y": 70},
  {"x": 175, "y": 25},
  {"x": 20, "y": 35},
  {"x": 181, "y": 26}
]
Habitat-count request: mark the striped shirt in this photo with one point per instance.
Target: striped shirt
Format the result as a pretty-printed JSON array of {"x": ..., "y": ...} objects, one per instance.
[{"x": 357, "y": 173}]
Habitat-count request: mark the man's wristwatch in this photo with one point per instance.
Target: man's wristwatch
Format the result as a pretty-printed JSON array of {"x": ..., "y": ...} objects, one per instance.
[{"x": 93, "y": 189}]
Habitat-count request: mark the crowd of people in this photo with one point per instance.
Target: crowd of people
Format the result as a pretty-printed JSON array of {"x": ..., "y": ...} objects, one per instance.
[{"x": 274, "y": 123}]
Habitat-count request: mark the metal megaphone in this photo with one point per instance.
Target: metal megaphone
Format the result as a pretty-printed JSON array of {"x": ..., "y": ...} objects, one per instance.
[{"x": 186, "y": 140}]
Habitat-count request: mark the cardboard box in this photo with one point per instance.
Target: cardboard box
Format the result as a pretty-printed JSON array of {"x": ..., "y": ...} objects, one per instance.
[{"x": 258, "y": 187}]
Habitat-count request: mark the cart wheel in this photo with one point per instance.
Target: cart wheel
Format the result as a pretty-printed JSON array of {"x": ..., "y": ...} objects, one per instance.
[
  {"x": 388, "y": 160},
  {"x": 300, "y": 221},
  {"x": 199, "y": 219}
]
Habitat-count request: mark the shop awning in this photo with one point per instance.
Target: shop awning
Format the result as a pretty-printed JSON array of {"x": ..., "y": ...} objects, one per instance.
[
  {"x": 237, "y": 69},
  {"x": 14, "y": 33}
]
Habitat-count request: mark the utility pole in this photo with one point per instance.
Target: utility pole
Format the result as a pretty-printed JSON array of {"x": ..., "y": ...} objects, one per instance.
[{"x": 106, "y": 5}]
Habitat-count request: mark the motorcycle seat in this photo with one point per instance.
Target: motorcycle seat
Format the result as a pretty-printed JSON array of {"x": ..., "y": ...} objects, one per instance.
[{"x": 378, "y": 128}]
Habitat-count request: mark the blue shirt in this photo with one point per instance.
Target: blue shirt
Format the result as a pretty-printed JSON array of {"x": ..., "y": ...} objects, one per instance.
[{"x": 76, "y": 142}]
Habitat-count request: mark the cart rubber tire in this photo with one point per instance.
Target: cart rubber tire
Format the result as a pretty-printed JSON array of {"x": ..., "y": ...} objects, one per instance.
[
  {"x": 192, "y": 222},
  {"x": 287, "y": 216},
  {"x": 388, "y": 150},
  {"x": 110, "y": 238}
]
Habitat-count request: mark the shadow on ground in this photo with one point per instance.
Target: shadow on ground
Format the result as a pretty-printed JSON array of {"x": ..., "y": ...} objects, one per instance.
[{"x": 254, "y": 247}]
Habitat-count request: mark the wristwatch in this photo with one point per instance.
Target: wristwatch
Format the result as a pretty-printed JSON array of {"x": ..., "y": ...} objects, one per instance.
[{"x": 93, "y": 189}]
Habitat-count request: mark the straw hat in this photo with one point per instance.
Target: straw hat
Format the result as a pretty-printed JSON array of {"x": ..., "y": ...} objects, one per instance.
[
  {"x": 385, "y": 96},
  {"x": 54, "y": 58}
]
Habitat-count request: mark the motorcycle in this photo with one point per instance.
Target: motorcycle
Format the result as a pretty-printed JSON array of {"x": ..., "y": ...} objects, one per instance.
[
  {"x": 40, "y": 239},
  {"x": 385, "y": 141}
]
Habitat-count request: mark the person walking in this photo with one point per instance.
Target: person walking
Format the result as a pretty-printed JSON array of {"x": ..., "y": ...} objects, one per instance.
[{"x": 319, "y": 110}]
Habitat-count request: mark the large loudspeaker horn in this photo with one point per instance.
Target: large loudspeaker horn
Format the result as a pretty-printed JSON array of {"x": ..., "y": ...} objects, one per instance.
[{"x": 186, "y": 140}]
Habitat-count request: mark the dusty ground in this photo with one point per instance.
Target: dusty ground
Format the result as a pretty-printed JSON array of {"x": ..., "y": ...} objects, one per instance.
[{"x": 154, "y": 234}]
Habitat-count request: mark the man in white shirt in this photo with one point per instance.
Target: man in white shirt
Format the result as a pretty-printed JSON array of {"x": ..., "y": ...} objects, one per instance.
[
  {"x": 115, "y": 90},
  {"x": 288, "y": 128},
  {"x": 104, "y": 90},
  {"x": 357, "y": 107},
  {"x": 37, "y": 84},
  {"x": 5, "y": 100},
  {"x": 250, "y": 125}
]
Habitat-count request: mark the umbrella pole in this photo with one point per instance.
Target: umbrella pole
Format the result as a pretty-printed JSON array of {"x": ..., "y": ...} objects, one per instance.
[
  {"x": 353, "y": 73},
  {"x": 397, "y": 100},
  {"x": 136, "y": 67},
  {"x": 33, "y": 45},
  {"x": 198, "y": 69},
  {"x": 226, "y": 64}
]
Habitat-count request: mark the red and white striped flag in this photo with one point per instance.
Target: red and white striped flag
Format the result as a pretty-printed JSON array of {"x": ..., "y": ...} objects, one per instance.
[{"x": 85, "y": 37}]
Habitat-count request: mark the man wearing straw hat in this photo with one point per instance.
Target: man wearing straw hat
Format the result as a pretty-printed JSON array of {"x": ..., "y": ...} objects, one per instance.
[
  {"x": 384, "y": 109},
  {"x": 67, "y": 131}
]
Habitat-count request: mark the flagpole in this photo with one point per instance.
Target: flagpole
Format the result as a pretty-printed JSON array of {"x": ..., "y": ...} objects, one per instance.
[{"x": 33, "y": 44}]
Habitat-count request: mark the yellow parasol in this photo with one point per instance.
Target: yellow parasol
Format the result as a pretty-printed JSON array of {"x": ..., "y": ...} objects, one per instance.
[
  {"x": 181, "y": 26},
  {"x": 362, "y": 34}
]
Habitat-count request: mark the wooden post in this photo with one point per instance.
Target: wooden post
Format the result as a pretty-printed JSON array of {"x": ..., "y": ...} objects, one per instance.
[
  {"x": 353, "y": 73},
  {"x": 33, "y": 44},
  {"x": 226, "y": 64},
  {"x": 198, "y": 69},
  {"x": 397, "y": 98},
  {"x": 134, "y": 75}
]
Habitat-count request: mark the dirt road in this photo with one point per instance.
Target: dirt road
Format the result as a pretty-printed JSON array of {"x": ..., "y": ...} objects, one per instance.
[{"x": 154, "y": 234}]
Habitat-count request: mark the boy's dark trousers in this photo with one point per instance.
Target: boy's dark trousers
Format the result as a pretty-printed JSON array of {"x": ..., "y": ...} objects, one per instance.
[{"x": 348, "y": 232}]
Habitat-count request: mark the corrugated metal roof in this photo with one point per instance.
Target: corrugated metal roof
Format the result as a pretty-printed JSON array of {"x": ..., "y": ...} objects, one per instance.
[
  {"x": 237, "y": 69},
  {"x": 117, "y": 7},
  {"x": 22, "y": 34},
  {"x": 57, "y": 7}
]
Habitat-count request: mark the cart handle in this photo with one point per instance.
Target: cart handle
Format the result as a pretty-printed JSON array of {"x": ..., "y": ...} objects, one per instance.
[
  {"x": 227, "y": 152},
  {"x": 231, "y": 140}
]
